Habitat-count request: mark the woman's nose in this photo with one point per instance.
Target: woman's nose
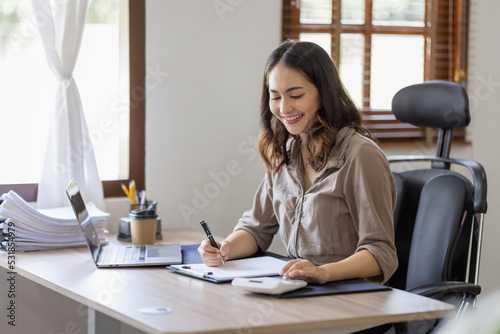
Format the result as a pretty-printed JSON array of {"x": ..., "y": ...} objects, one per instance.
[{"x": 285, "y": 106}]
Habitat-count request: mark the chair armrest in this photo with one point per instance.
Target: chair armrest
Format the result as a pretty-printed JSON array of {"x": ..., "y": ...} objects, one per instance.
[{"x": 433, "y": 289}]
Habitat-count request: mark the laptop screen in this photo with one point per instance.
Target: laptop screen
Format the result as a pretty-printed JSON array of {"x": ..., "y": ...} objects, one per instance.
[{"x": 83, "y": 218}]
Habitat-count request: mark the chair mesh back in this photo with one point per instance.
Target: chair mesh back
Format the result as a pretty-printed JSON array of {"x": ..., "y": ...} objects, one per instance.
[
  {"x": 440, "y": 212},
  {"x": 429, "y": 210}
]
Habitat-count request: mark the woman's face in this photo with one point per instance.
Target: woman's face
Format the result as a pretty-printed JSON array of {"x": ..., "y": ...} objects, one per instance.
[{"x": 293, "y": 99}]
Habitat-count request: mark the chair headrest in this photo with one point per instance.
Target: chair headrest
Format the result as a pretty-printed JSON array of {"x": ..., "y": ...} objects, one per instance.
[{"x": 435, "y": 104}]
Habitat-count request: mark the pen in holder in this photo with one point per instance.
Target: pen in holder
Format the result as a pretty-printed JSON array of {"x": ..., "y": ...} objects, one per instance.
[{"x": 144, "y": 206}]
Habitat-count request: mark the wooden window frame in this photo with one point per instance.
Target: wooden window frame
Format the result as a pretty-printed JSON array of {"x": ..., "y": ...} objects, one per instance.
[
  {"x": 137, "y": 53},
  {"x": 445, "y": 37}
]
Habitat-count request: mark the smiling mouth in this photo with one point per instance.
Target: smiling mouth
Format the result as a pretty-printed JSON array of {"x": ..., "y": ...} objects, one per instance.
[{"x": 292, "y": 119}]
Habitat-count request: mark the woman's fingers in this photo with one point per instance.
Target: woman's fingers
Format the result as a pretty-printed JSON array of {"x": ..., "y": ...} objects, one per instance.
[
  {"x": 303, "y": 270},
  {"x": 210, "y": 255}
]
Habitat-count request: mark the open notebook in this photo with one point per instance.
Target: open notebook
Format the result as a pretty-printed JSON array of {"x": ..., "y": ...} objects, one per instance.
[{"x": 249, "y": 267}]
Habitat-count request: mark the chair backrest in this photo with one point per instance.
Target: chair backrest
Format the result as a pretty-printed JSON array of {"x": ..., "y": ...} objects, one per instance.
[
  {"x": 428, "y": 225},
  {"x": 436, "y": 207}
]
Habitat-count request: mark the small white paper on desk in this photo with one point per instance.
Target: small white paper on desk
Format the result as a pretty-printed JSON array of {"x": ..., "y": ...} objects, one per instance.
[{"x": 250, "y": 267}]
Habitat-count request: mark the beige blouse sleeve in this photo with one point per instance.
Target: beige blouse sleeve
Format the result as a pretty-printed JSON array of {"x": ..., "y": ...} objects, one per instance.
[
  {"x": 260, "y": 221},
  {"x": 371, "y": 196}
]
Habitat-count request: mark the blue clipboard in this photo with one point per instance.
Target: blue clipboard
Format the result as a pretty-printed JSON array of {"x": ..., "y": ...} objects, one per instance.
[
  {"x": 190, "y": 255},
  {"x": 335, "y": 288},
  {"x": 261, "y": 264}
]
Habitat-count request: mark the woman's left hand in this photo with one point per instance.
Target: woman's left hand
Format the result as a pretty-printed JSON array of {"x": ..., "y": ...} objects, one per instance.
[{"x": 304, "y": 270}]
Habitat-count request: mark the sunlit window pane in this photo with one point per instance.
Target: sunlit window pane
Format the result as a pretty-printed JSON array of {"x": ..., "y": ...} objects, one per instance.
[
  {"x": 30, "y": 86},
  {"x": 393, "y": 68},
  {"x": 351, "y": 65},
  {"x": 399, "y": 12},
  {"x": 98, "y": 74},
  {"x": 323, "y": 40},
  {"x": 316, "y": 11},
  {"x": 28, "y": 89},
  {"x": 353, "y": 12}
]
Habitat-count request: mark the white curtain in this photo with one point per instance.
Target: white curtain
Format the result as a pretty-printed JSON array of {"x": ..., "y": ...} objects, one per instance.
[{"x": 69, "y": 153}]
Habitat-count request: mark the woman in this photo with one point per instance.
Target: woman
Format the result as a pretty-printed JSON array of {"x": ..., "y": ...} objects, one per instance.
[{"x": 328, "y": 187}]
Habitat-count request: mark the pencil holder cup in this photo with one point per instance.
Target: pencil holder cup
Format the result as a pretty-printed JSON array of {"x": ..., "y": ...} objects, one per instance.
[
  {"x": 143, "y": 226},
  {"x": 149, "y": 206}
]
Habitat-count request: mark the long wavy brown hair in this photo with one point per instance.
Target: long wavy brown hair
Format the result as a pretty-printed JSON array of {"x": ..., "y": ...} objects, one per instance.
[{"x": 337, "y": 108}]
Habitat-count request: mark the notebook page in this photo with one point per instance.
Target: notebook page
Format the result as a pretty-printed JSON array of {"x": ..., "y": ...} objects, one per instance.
[{"x": 250, "y": 267}]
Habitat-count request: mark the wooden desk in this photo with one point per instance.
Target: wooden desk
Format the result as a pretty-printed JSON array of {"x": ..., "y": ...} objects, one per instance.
[{"x": 203, "y": 307}]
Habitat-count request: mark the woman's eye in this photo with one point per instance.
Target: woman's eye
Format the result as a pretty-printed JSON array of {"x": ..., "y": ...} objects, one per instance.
[
  {"x": 275, "y": 98},
  {"x": 297, "y": 96}
]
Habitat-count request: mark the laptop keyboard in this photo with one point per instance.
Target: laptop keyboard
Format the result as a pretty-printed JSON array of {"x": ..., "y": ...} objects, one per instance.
[{"x": 123, "y": 255}]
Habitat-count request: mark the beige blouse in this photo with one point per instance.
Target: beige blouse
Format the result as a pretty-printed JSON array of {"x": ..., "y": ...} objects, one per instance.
[{"x": 348, "y": 208}]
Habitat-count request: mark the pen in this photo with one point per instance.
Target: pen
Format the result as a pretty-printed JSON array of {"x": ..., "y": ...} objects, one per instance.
[
  {"x": 143, "y": 198},
  {"x": 151, "y": 206},
  {"x": 211, "y": 238},
  {"x": 194, "y": 272},
  {"x": 127, "y": 192},
  {"x": 130, "y": 192}
]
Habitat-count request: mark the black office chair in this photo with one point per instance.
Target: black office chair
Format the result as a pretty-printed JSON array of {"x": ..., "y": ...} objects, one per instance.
[{"x": 439, "y": 213}]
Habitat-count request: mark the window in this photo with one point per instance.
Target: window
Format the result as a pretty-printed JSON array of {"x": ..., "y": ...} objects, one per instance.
[
  {"x": 121, "y": 112},
  {"x": 381, "y": 46}
]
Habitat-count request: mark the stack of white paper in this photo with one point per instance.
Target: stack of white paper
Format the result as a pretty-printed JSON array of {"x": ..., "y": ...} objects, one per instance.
[{"x": 23, "y": 228}]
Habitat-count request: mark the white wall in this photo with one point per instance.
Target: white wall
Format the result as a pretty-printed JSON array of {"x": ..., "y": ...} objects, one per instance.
[
  {"x": 202, "y": 119},
  {"x": 484, "y": 95},
  {"x": 202, "y": 116}
]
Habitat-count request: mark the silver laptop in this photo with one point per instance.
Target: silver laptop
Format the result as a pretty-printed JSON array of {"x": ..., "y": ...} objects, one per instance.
[{"x": 123, "y": 255}]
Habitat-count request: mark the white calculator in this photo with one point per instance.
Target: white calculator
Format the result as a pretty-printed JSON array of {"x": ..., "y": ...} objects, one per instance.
[{"x": 267, "y": 285}]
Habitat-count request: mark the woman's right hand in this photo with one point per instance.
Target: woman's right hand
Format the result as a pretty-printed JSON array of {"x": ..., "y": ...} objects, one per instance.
[{"x": 210, "y": 255}]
